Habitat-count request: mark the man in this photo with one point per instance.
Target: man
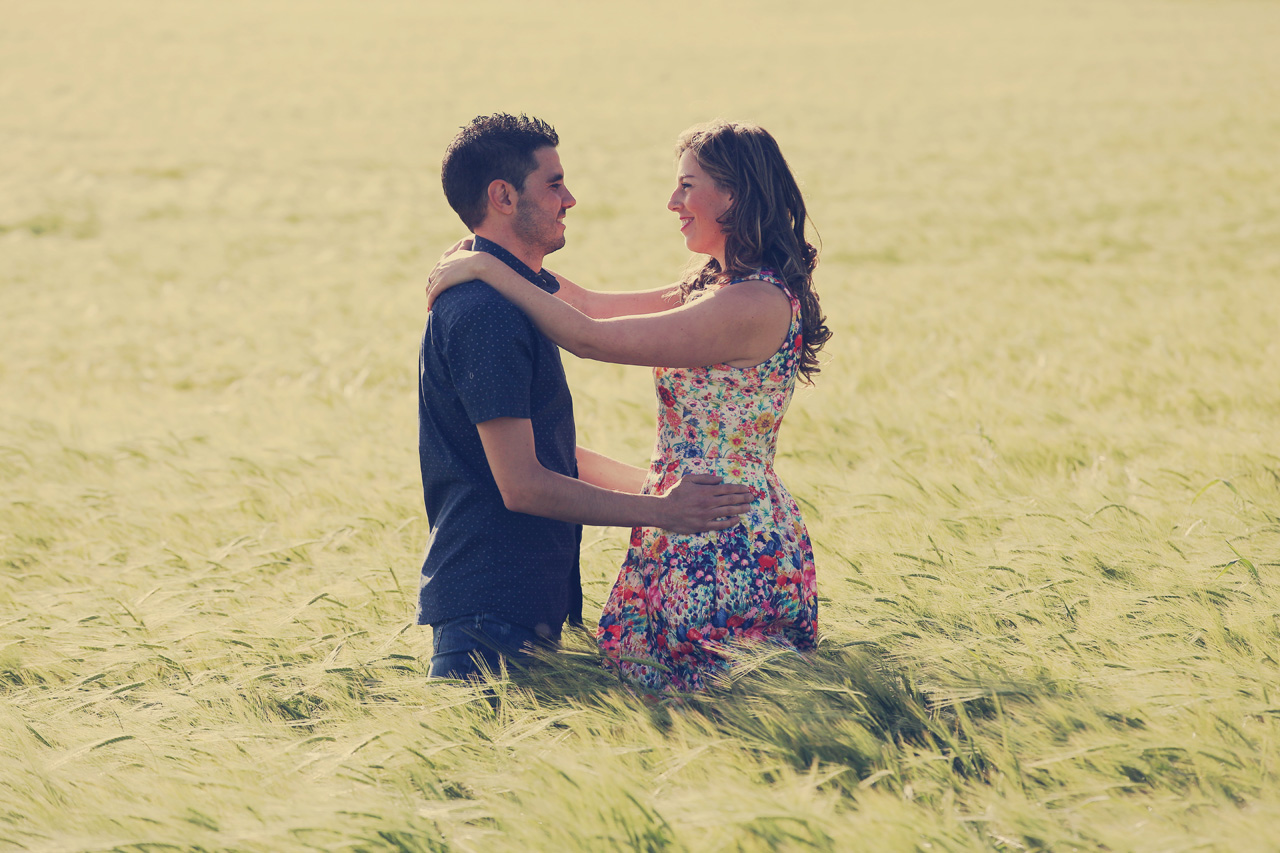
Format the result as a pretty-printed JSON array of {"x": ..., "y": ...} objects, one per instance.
[{"x": 506, "y": 487}]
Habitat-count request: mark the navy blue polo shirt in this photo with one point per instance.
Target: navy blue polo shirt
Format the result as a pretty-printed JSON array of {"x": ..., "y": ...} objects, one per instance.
[{"x": 482, "y": 358}]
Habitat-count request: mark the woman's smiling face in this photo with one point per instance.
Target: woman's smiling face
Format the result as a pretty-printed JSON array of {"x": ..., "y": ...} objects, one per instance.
[{"x": 699, "y": 203}]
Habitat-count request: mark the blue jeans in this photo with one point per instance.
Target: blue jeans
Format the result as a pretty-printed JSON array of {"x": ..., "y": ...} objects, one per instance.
[{"x": 458, "y": 645}]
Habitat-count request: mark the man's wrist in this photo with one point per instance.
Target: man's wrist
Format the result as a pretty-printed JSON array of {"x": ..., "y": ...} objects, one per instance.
[{"x": 655, "y": 511}]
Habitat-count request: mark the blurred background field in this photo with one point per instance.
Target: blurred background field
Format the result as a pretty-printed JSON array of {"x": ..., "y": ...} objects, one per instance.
[{"x": 1040, "y": 465}]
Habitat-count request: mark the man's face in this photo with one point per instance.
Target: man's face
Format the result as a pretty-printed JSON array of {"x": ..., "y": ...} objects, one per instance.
[{"x": 540, "y": 207}]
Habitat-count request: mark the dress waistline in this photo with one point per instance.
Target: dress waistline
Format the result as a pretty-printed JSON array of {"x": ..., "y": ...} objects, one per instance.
[{"x": 741, "y": 458}]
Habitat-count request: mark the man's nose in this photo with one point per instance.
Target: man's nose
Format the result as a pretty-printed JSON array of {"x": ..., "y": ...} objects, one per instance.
[{"x": 567, "y": 201}]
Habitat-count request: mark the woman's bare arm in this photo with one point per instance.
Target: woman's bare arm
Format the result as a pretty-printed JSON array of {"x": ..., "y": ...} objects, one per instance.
[
  {"x": 601, "y": 305},
  {"x": 741, "y": 325},
  {"x": 598, "y": 304}
]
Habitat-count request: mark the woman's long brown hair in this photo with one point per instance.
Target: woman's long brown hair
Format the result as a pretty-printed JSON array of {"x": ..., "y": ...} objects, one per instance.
[{"x": 764, "y": 225}]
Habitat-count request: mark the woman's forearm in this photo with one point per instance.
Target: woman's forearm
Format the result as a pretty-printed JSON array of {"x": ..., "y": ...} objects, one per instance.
[
  {"x": 559, "y": 320},
  {"x": 745, "y": 322},
  {"x": 602, "y": 305}
]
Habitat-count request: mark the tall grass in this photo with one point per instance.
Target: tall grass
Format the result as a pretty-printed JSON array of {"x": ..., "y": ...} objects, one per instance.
[{"x": 1040, "y": 465}]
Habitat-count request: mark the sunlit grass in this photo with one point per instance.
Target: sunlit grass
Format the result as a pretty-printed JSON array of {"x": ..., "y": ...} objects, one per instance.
[{"x": 1040, "y": 465}]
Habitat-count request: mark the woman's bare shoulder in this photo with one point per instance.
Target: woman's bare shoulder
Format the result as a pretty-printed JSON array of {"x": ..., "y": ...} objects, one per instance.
[{"x": 755, "y": 288}]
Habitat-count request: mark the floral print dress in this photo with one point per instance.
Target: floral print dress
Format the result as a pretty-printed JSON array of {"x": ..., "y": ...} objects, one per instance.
[{"x": 681, "y": 602}]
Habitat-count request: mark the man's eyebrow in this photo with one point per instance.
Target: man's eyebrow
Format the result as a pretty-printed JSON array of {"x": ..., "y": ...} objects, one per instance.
[{"x": 556, "y": 178}]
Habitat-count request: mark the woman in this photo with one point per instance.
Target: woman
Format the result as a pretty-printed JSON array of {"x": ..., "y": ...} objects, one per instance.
[{"x": 726, "y": 346}]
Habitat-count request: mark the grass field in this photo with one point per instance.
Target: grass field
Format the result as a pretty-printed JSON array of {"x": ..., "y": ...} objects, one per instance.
[{"x": 1041, "y": 466}]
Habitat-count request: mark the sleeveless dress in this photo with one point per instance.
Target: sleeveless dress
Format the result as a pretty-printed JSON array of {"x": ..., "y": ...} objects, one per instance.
[{"x": 681, "y": 602}]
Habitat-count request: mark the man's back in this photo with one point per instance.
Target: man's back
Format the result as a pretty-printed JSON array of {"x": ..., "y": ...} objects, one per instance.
[{"x": 481, "y": 358}]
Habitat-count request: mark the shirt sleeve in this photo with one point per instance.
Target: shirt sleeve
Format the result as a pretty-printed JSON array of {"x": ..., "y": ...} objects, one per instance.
[{"x": 490, "y": 352}]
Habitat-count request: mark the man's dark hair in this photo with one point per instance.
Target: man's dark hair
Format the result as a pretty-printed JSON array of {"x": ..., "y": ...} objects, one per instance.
[{"x": 495, "y": 147}]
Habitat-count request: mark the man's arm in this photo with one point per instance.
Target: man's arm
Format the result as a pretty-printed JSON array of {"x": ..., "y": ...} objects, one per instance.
[
  {"x": 698, "y": 503},
  {"x": 607, "y": 473}
]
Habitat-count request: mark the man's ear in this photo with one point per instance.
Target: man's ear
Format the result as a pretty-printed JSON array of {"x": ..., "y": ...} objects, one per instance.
[{"x": 502, "y": 196}]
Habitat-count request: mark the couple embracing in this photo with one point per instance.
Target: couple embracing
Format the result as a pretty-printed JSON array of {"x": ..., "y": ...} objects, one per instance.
[{"x": 719, "y": 555}]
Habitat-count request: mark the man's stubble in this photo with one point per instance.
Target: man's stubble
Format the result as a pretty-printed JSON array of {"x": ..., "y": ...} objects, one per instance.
[{"x": 536, "y": 232}]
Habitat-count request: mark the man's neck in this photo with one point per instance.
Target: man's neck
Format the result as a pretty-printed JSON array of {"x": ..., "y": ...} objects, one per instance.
[{"x": 529, "y": 257}]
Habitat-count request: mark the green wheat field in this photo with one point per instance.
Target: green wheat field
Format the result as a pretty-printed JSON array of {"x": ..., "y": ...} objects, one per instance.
[{"x": 1040, "y": 467}]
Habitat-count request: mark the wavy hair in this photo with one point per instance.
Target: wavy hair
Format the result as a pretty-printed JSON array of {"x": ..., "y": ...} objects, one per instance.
[{"x": 764, "y": 225}]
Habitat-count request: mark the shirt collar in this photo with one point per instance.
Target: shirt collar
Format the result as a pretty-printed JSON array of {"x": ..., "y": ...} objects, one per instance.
[{"x": 544, "y": 280}]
